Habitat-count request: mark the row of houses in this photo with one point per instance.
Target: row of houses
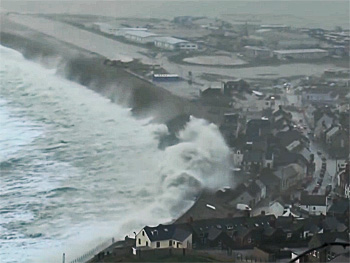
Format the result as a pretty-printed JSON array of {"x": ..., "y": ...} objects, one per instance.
[{"x": 259, "y": 232}]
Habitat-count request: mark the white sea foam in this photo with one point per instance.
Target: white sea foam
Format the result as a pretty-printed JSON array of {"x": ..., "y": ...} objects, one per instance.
[{"x": 83, "y": 169}]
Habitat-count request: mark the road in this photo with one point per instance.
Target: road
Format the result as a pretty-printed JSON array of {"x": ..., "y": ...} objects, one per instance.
[{"x": 315, "y": 148}]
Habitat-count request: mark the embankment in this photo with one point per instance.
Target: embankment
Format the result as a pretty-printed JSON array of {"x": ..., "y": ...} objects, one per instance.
[{"x": 88, "y": 69}]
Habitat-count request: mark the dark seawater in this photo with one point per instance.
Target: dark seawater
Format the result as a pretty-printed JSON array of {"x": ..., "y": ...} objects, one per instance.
[
  {"x": 77, "y": 170},
  {"x": 299, "y": 13}
]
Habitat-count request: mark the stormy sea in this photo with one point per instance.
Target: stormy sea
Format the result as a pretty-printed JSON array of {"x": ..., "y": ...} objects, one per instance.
[{"x": 77, "y": 169}]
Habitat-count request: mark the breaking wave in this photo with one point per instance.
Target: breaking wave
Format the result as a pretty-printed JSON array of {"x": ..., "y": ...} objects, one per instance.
[{"x": 76, "y": 169}]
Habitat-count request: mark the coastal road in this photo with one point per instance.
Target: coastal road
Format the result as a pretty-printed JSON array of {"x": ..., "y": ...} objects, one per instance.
[
  {"x": 115, "y": 50},
  {"x": 92, "y": 42}
]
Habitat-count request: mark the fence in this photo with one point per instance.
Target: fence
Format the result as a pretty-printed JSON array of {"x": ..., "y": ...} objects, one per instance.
[{"x": 88, "y": 255}]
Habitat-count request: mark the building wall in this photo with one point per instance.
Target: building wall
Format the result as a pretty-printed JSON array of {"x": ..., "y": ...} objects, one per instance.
[
  {"x": 314, "y": 209},
  {"x": 237, "y": 158},
  {"x": 139, "y": 39},
  {"x": 142, "y": 236},
  {"x": 164, "y": 45},
  {"x": 301, "y": 55},
  {"x": 188, "y": 46}
]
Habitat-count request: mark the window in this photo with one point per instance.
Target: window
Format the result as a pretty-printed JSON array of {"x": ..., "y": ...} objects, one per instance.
[
  {"x": 314, "y": 207},
  {"x": 143, "y": 233},
  {"x": 146, "y": 243},
  {"x": 158, "y": 244},
  {"x": 139, "y": 241},
  {"x": 170, "y": 243}
]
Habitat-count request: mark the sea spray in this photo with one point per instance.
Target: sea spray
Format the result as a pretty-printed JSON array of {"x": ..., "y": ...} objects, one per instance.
[{"x": 90, "y": 171}]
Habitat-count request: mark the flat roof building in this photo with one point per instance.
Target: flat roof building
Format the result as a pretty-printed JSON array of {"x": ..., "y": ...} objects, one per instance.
[
  {"x": 313, "y": 53},
  {"x": 172, "y": 43},
  {"x": 140, "y": 36}
]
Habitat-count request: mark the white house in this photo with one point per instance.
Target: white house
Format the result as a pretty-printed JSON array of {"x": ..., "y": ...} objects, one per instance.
[
  {"x": 237, "y": 157},
  {"x": 142, "y": 37},
  {"x": 172, "y": 43},
  {"x": 163, "y": 236},
  {"x": 314, "y": 204}
]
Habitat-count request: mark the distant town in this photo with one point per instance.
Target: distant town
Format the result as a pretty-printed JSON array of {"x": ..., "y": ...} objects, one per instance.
[{"x": 281, "y": 99}]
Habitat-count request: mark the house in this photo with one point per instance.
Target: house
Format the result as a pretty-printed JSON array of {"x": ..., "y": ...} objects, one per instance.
[
  {"x": 292, "y": 229},
  {"x": 343, "y": 182},
  {"x": 292, "y": 139},
  {"x": 332, "y": 224},
  {"x": 242, "y": 231},
  {"x": 289, "y": 176},
  {"x": 340, "y": 209},
  {"x": 163, "y": 236},
  {"x": 249, "y": 194},
  {"x": 314, "y": 204},
  {"x": 300, "y": 54},
  {"x": 257, "y": 128},
  {"x": 237, "y": 156},
  {"x": 322, "y": 124},
  {"x": 231, "y": 126},
  {"x": 264, "y": 254},
  {"x": 171, "y": 43},
  {"x": 272, "y": 182},
  {"x": 324, "y": 254},
  {"x": 337, "y": 142},
  {"x": 142, "y": 37},
  {"x": 253, "y": 160}
]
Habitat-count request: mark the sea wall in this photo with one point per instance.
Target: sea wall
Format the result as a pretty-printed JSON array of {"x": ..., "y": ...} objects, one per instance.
[{"x": 89, "y": 69}]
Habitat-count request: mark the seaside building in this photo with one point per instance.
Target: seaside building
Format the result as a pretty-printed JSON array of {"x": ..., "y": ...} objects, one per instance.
[
  {"x": 314, "y": 204},
  {"x": 142, "y": 37},
  {"x": 300, "y": 54},
  {"x": 163, "y": 237},
  {"x": 171, "y": 43}
]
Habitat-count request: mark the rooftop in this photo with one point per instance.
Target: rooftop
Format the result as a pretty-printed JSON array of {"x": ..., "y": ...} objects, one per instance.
[
  {"x": 171, "y": 40},
  {"x": 165, "y": 232},
  {"x": 319, "y": 200},
  {"x": 140, "y": 33},
  {"x": 296, "y": 51}
]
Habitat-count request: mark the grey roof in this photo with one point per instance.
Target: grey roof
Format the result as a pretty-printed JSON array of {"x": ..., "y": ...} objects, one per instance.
[
  {"x": 171, "y": 40},
  {"x": 253, "y": 156},
  {"x": 291, "y": 170},
  {"x": 300, "y": 51},
  {"x": 166, "y": 232},
  {"x": 141, "y": 33},
  {"x": 340, "y": 206},
  {"x": 319, "y": 200}
]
